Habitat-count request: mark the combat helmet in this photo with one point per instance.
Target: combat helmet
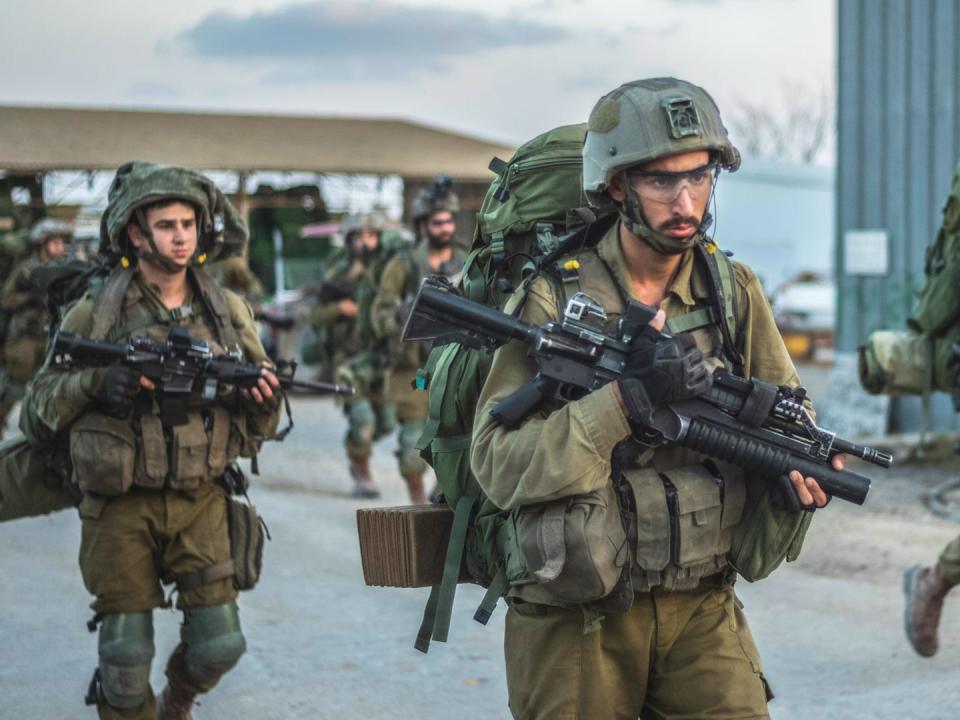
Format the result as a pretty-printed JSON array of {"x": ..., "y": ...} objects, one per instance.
[
  {"x": 48, "y": 228},
  {"x": 373, "y": 220},
  {"x": 438, "y": 196},
  {"x": 138, "y": 184},
  {"x": 644, "y": 120}
]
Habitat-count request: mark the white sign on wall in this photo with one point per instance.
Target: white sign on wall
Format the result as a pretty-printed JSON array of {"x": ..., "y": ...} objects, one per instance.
[{"x": 865, "y": 252}]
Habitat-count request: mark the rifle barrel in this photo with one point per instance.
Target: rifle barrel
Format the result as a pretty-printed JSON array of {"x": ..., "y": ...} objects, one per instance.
[
  {"x": 76, "y": 345},
  {"x": 318, "y": 387},
  {"x": 471, "y": 314}
]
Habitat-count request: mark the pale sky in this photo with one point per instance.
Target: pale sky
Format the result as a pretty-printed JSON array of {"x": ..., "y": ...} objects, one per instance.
[{"x": 499, "y": 69}]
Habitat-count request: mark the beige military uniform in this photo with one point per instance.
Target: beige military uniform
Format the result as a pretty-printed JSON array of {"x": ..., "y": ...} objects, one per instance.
[{"x": 683, "y": 649}]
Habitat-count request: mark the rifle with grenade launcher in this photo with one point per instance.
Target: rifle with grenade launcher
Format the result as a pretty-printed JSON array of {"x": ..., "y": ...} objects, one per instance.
[{"x": 763, "y": 428}]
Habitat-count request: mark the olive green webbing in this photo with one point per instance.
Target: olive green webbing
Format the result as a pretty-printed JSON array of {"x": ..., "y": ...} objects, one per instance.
[
  {"x": 692, "y": 320},
  {"x": 498, "y": 586},
  {"x": 437, "y": 613},
  {"x": 438, "y": 391},
  {"x": 110, "y": 301}
]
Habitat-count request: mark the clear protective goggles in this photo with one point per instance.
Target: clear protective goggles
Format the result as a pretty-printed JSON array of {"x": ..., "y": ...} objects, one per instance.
[{"x": 665, "y": 187}]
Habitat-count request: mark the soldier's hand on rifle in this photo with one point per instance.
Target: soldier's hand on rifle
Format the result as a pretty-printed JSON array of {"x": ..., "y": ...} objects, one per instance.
[
  {"x": 115, "y": 386},
  {"x": 808, "y": 490},
  {"x": 660, "y": 370},
  {"x": 263, "y": 392},
  {"x": 347, "y": 308}
]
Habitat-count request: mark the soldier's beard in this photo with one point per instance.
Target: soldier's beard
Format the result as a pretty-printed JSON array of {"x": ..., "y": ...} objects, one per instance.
[{"x": 440, "y": 242}]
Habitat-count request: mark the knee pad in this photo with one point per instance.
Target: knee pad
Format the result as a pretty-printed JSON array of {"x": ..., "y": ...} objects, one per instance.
[
  {"x": 126, "y": 650},
  {"x": 361, "y": 420},
  {"x": 409, "y": 457},
  {"x": 386, "y": 419},
  {"x": 214, "y": 641}
]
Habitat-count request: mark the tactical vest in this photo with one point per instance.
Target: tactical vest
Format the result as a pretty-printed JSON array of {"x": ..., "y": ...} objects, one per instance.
[
  {"x": 413, "y": 355},
  {"x": 343, "y": 338},
  {"x": 680, "y": 507},
  {"x": 111, "y": 454}
]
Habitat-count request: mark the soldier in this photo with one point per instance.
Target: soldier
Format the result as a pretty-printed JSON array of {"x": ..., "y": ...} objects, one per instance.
[
  {"x": 349, "y": 344},
  {"x": 675, "y": 643},
  {"x": 235, "y": 274},
  {"x": 26, "y": 309},
  {"x": 435, "y": 254},
  {"x": 152, "y": 512}
]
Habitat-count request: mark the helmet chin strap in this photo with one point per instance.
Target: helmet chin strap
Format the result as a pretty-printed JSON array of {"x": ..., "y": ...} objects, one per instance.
[
  {"x": 153, "y": 255},
  {"x": 631, "y": 214}
]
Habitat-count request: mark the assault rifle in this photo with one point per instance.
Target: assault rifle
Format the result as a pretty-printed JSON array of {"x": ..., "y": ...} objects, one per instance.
[
  {"x": 760, "y": 427},
  {"x": 178, "y": 366},
  {"x": 329, "y": 291}
]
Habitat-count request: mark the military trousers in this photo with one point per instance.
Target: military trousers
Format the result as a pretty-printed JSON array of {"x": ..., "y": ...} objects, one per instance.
[
  {"x": 369, "y": 419},
  {"x": 132, "y": 543},
  {"x": 412, "y": 411},
  {"x": 673, "y": 655},
  {"x": 948, "y": 563}
]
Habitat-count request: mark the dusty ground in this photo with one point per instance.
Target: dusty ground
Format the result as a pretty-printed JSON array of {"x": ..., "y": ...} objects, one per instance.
[{"x": 322, "y": 645}]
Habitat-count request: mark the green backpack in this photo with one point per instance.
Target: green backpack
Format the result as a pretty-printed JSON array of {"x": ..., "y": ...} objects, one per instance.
[{"x": 523, "y": 216}]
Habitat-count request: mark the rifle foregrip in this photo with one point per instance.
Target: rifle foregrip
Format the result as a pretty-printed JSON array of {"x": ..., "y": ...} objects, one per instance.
[{"x": 772, "y": 462}]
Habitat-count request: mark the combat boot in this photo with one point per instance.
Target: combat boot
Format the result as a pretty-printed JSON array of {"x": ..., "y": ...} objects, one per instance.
[
  {"x": 418, "y": 495},
  {"x": 363, "y": 484},
  {"x": 174, "y": 704},
  {"x": 925, "y": 590}
]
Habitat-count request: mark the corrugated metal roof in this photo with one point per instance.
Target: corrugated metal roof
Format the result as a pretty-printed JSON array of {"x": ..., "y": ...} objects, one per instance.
[{"x": 52, "y": 138}]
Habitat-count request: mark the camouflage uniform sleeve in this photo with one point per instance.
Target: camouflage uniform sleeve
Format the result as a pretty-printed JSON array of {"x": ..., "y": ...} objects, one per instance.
[
  {"x": 262, "y": 418},
  {"x": 16, "y": 290},
  {"x": 324, "y": 314},
  {"x": 383, "y": 311},
  {"x": 56, "y": 397},
  {"x": 552, "y": 454}
]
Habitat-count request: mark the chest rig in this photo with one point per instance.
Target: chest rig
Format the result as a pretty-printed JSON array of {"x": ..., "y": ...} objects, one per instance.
[
  {"x": 110, "y": 454},
  {"x": 679, "y": 507}
]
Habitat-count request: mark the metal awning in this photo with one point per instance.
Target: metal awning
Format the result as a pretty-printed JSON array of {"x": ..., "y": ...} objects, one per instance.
[{"x": 51, "y": 138}]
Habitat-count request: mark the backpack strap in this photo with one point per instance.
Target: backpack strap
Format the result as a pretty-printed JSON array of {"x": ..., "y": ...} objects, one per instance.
[
  {"x": 211, "y": 295},
  {"x": 110, "y": 301},
  {"x": 722, "y": 286},
  {"x": 439, "y": 357},
  {"x": 437, "y": 613}
]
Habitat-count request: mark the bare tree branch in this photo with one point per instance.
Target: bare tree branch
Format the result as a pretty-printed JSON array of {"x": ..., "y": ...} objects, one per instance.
[{"x": 795, "y": 129}]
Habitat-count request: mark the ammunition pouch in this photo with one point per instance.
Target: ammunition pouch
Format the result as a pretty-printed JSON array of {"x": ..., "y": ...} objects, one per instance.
[
  {"x": 110, "y": 455},
  {"x": 681, "y": 522},
  {"x": 248, "y": 534},
  {"x": 103, "y": 450},
  {"x": 575, "y": 547},
  {"x": 768, "y": 535}
]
